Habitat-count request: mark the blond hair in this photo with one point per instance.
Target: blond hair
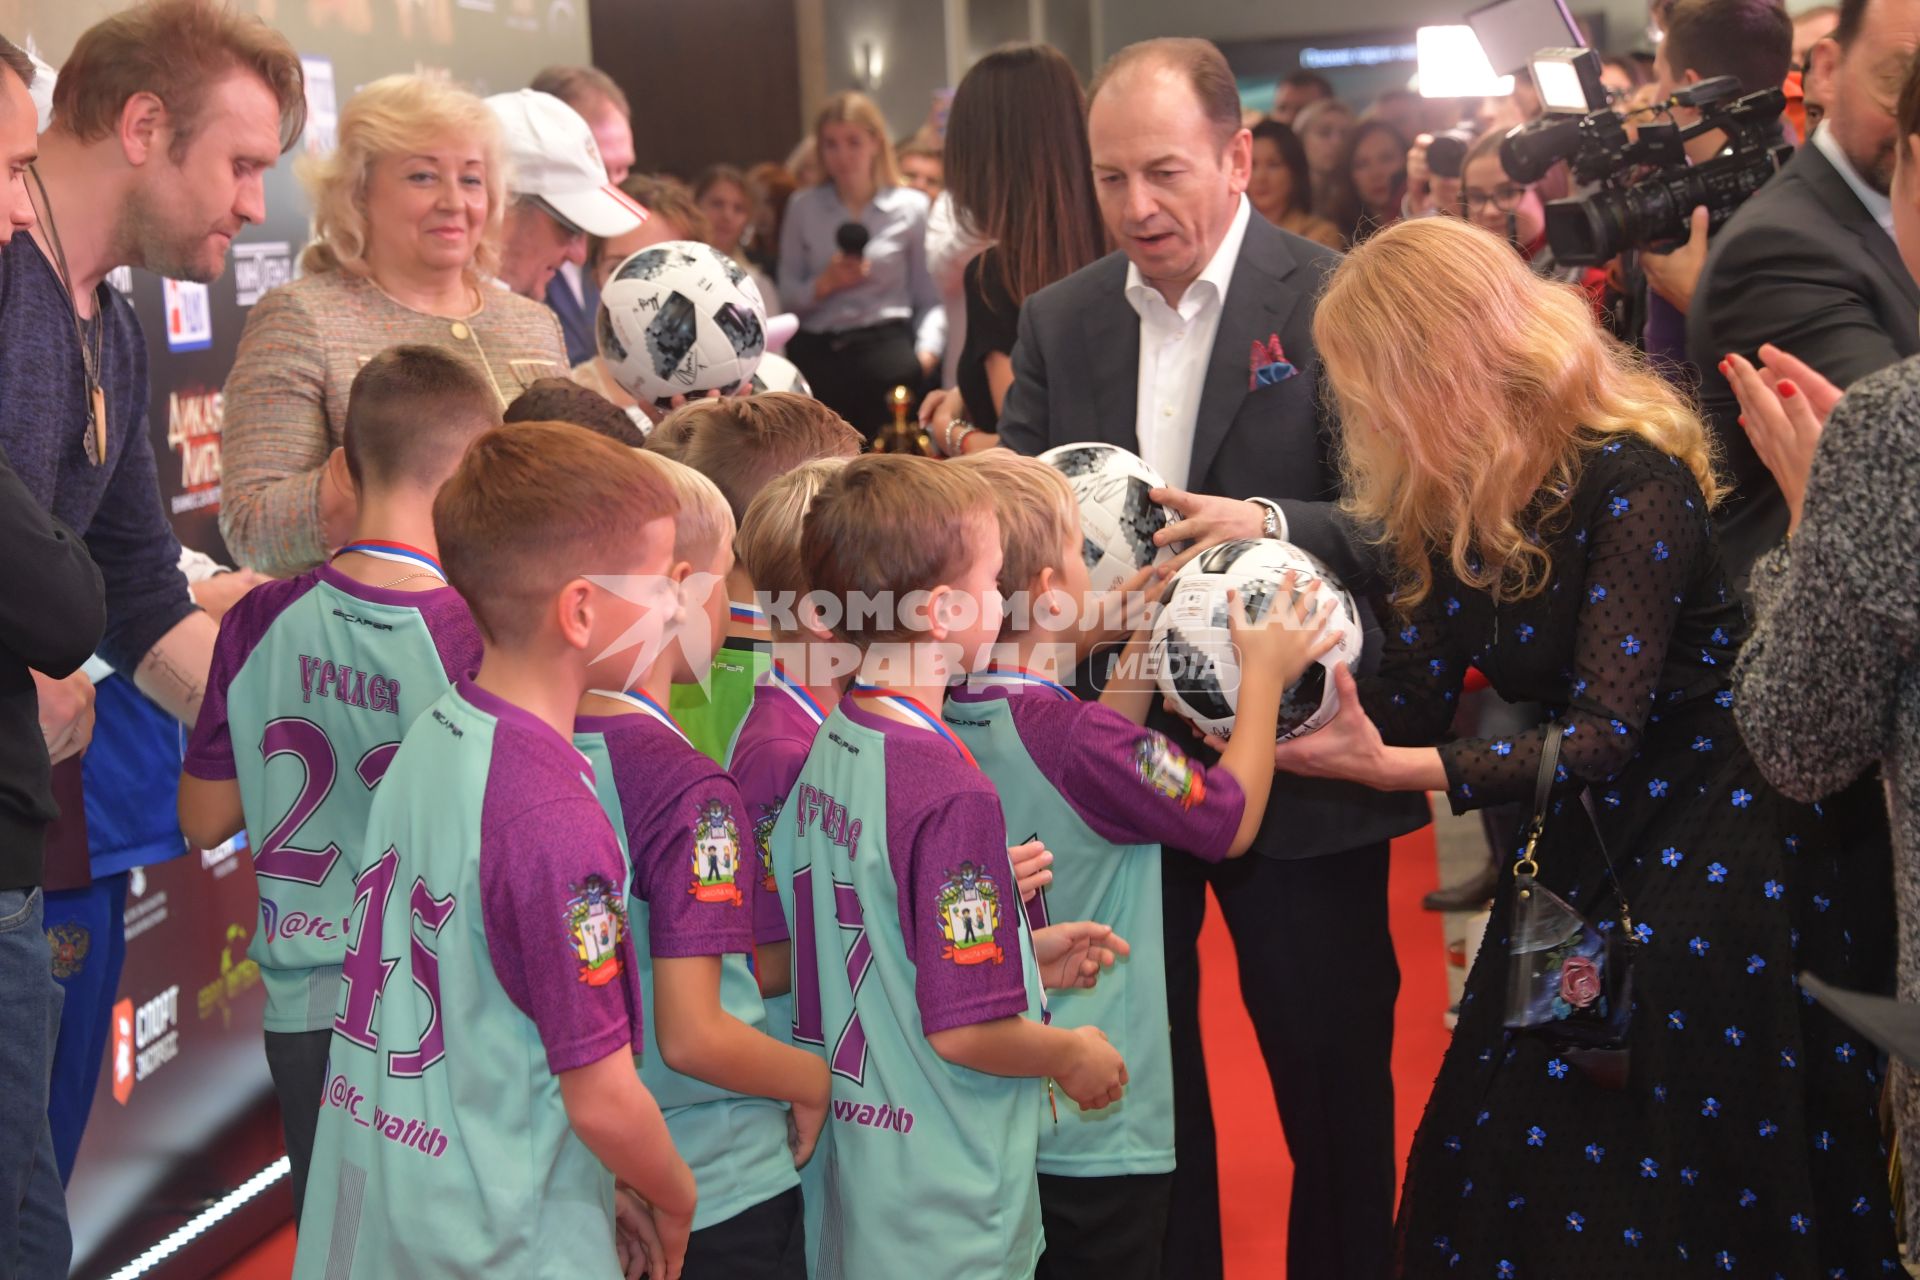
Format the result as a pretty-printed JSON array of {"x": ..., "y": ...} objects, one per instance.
[
  {"x": 1470, "y": 393},
  {"x": 705, "y": 523},
  {"x": 768, "y": 543},
  {"x": 857, "y": 108},
  {"x": 395, "y": 115},
  {"x": 1039, "y": 516},
  {"x": 742, "y": 442}
]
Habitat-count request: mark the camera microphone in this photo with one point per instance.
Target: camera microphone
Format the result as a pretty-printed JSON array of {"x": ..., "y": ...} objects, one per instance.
[{"x": 852, "y": 238}]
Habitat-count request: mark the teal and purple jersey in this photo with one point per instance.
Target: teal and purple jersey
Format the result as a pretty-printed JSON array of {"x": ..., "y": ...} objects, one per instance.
[
  {"x": 490, "y": 955},
  {"x": 314, "y": 681},
  {"x": 693, "y": 879},
  {"x": 892, "y": 864},
  {"x": 1104, "y": 795}
]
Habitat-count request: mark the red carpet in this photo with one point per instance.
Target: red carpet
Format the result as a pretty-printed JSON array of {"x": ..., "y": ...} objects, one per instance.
[{"x": 1255, "y": 1175}]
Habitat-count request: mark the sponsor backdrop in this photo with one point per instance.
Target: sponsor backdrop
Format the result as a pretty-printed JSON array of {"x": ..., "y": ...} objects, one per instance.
[{"x": 181, "y": 1114}]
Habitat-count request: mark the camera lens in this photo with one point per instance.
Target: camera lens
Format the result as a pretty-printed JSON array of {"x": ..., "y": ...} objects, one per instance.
[{"x": 1446, "y": 154}]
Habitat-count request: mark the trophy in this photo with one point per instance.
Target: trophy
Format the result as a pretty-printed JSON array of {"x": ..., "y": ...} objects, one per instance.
[{"x": 903, "y": 436}]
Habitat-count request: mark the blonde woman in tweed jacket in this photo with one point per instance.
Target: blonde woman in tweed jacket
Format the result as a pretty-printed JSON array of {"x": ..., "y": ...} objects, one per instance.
[
  {"x": 407, "y": 217},
  {"x": 1829, "y": 684}
]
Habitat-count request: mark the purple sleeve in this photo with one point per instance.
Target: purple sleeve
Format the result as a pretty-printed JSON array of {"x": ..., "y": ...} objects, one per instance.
[
  {"x": 1131, "y": 785},
  {"x": 694, "y": 863},
  {"x": 210, "y": 746},
  {"x": 555, "y": 920},
  {"x": 455, "y": 634},
  {"x": 765, "y": 773},
  {"x": 958, "y": 906}
]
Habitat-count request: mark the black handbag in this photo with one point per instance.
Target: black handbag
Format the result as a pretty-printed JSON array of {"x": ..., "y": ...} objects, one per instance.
[{"x": 1569, "y": 979}]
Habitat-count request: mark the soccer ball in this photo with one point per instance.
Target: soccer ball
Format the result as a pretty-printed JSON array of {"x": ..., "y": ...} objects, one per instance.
[
  {"x": 680, "y": 319},
  {"x": 1192, "y": 650},
  {"x": 777, "y": 373},
  {"x": 1117, "y": 520}
]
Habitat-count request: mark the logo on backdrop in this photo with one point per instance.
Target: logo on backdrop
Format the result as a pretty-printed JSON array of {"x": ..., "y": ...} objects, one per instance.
[
  {"x": 144, "y": 1040},
  {"x": 258, "y": 268},
  {"x": 193, "y": 432},
  {"x": 189, "y": 315}
]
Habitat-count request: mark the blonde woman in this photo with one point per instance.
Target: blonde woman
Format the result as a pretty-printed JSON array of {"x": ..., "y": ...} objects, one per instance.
[
  {"x": 870, "y": 314},
  {"x": 407, "y": 217},
  {"x": 1543, "y": 500}
]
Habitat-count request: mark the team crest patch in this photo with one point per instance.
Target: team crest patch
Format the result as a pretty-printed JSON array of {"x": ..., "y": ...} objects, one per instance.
[
  {"x": 1167, "y": 771},
  {"x": 763, "y": 837},
  {"x": 595, "y": 920},
  {"x": 716, "y": 854},
  {"x": 69, "y": 944},
  {"x": 969, "y": 906}
]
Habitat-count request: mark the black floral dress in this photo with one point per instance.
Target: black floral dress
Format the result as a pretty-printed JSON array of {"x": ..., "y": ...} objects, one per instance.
[{"x": 1744, "y": 1142}]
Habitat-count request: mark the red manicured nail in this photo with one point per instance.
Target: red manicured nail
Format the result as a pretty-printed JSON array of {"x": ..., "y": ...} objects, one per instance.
[
  {"x": 1788, "y": 391},
  {"x": 1743, "y": 419},
  {"x": 1723, "y": 366}
]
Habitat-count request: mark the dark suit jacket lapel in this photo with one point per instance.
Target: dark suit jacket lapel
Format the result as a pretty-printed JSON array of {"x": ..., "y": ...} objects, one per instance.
[
  {"x": 1112, "y": 335},
  {"x": 1258, "y": 305},
  {"x": 1827, "y": 183}
]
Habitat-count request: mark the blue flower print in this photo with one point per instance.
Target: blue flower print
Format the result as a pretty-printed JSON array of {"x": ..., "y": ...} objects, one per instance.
[
  {"x": 1756, "y": 963},
  {"x": 1793, "y": 844},
  {"x": 1703, "y": 744},
  {"x": 1661, "y": 551},
  {"x": 1631, "y": 644},
  {"x": 1409, "y": 634},
  {"x": 1716, "y": 874},
  {"x": 1580, "y": 537},
  {"x": 1735, "y": 1036},
  {"x": 1644, "y": 932},
  {"x": 1844, "y": 1051},
  {"x": 1823, "y": 1141},
  {"x": 1482, "y": 1118},
  {"x": 1502, "y": 748},
  {"x": 1708, "y": 660},
  {"x": 1677, "y": 1020},
  {"x": 1466, "y": 1188},
  {"x": 1536, "y": 1136},
  {"x": 1504, "y": 1270},
  {"x": 1861, "y": 1207},
  {"x": 1570, "y": 730},
  {"x": 1699, "y": 946},
  {"x": 1596, "y": 1153},
  {"x": 1632, "y": 1237},
  {"x": 1441, "y": 1244},
  {"x": 1710, "y": 1108},
  {"x": 1516, "y": 1202},
  {"x": 1724, "y": 1260},
  {"x": 1618, "y": 507},
  {"x": 1452, "y": 606},
  {"x": 1773, "y": 889},
  {"x": 1768, "y": 1129},
  {"x": 1452, "y": 1144},
  {"x": 1523, "y": 633},
  {"x": 1579, "y": 688},
  {"x": 1671, "y": 857},
  {"x": 1649, "y": 1167},
  {"x": 1618, "y": 728},
  {"x": 1719, "y": 635},
  {"x": 1437, "y": 666},
  {"x": 1466, "y": 790},
  {"x": 1610, "y": 447},
  {"x": 1690, "y": 1176},
  {"x": 1799, "y": 1224},
  {"x": 1742, "y": 797},
  {"x": 1657, "y": 787},
  {"x": 1557, "y": 1069},
  {"x": 1611, "y": 799},
  {"x": 1821, "y": 902},
  {"x": 1723, "y": 699},
  {"x": 1660, "y": 1092},
  {"x": 1596, "y": 593},
  {"x": 1575, "y": 1222},
  {"x": 1748, "y": 1198},
  {"x": 1789, "y": 1059}
]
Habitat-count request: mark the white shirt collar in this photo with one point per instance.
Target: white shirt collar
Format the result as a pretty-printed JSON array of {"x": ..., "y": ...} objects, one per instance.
[
  {"x": 1218, "y": 273},
  {"x": 1881, "y": 207}
]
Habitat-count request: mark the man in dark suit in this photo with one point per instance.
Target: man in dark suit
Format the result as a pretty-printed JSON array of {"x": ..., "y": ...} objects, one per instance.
[
  {"x": 1193, "y": 346},
  {"x": 1809, "y": 263}
]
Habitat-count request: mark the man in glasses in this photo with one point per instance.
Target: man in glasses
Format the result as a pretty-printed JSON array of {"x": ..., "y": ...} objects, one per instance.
[{"x": 561, "y": 193}]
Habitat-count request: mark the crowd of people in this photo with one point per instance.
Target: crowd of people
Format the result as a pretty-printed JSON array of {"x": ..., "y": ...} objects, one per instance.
[{"x": 741, "y": 873}]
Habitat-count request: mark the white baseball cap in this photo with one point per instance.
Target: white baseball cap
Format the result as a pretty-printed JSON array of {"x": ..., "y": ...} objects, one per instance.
[{"x": 555, "y": 160}]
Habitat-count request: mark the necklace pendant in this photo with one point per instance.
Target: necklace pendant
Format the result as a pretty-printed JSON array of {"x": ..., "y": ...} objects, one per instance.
[{"x": 96, "y": 442}]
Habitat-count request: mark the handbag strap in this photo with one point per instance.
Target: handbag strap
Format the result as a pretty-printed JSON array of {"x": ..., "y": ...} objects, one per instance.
[{"x": 1526, "y": 865}]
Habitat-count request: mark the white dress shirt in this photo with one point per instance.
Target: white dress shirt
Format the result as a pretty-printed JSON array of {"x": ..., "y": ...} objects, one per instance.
[
  {"x": 1879, "y": 206},
  {"x": 1175, "y": 347},
  {"x": 950, "y": 247}
]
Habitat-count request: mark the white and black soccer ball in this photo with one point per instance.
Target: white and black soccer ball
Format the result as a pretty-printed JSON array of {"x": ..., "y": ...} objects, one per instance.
[
  {"x": 1193, "y": 654},
  {"x": 1117, "y": 519},
  {"x": 777, "y": 373},
  {"x": 680, "y": 319}
]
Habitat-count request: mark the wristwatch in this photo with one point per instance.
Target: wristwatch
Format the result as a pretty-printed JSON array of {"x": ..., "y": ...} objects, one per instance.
[{"x": 1274, "y": 525}]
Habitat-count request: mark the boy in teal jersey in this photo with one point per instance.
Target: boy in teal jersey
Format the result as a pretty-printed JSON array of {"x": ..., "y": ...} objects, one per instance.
[
  {"x": 914, "y": 973},
  {"x": 314, "y": 681},
  {"x": 1105, "y": 794},
  {"x": 481, "y": 1084},
  {"x": 724, "y": 1083},
  {"x": 741, "y": 443}
]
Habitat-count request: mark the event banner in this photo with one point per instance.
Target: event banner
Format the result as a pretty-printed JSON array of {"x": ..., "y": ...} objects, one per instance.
[{"x": 183, "y": 1110}]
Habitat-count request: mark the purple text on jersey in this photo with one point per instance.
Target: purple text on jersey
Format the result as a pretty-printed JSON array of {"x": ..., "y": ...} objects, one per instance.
[
  {"x": 408, "y": 1133},
  {"x": 898, "y": 1119},
  {"x": 354, "y": 688},
  {"x": 813, "y": 806}
]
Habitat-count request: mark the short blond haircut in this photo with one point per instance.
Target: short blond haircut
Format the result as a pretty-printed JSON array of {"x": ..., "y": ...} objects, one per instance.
[
  {"x": 705, "y": 523},
  {"x": 1039, "y": 516},
  {"x": 768, "y": 543},
  {"x": 742, "y": 442},
  {"x": 395, "y": 115}
]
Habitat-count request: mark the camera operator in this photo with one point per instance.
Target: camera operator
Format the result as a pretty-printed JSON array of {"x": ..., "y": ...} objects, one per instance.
[
  {"x": 1809, "y": 263},
  {"x": 1751, "y": 40}
]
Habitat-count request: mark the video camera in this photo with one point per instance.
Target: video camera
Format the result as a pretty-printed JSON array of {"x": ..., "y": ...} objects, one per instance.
[{"x": 1634, "y": 209}]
